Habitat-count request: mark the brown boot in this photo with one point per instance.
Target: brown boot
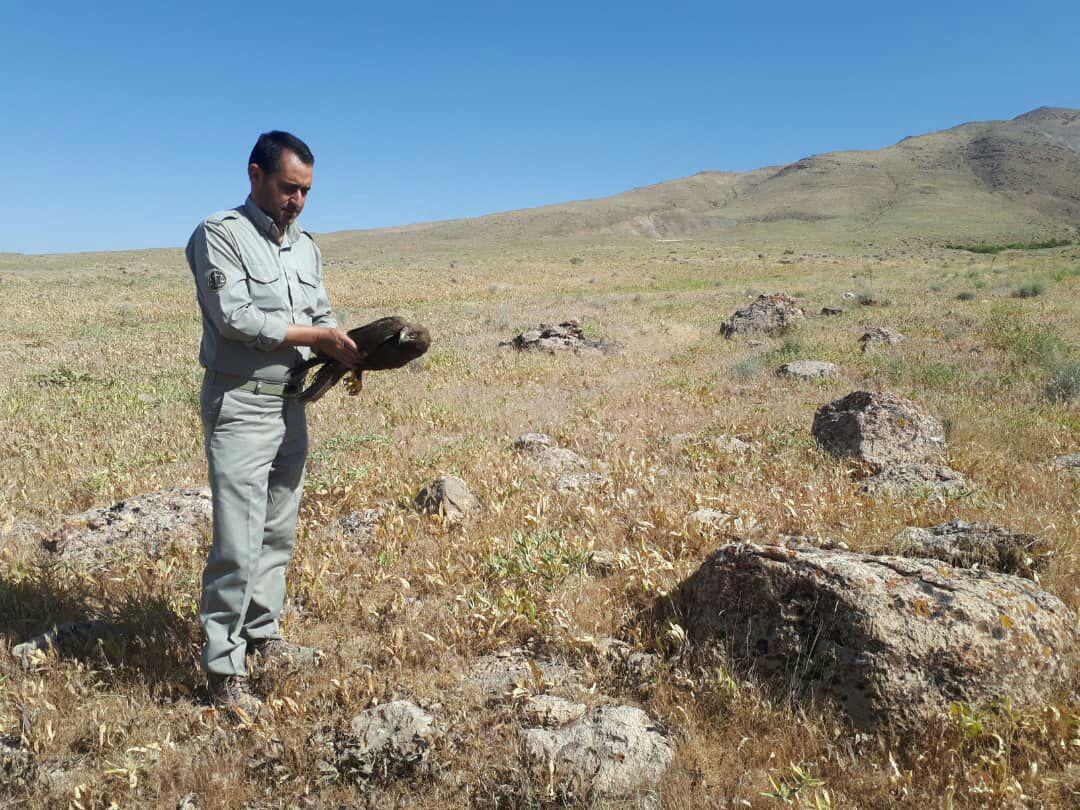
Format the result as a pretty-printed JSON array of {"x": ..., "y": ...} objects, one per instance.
[
  {"x": 277, "y": 652},
  {"x": 233, "y": 694}
]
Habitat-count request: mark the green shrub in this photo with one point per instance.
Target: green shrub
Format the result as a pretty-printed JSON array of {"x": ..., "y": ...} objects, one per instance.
[
  {"x": 1029, "y": 290},
  {"x": 966, "y": 295},
  {"x": 1063, "y": 384}
]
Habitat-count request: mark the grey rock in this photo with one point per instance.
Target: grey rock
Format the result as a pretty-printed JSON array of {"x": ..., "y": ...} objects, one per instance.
[
  {"x": 890, "y": 641},
  {"x": 831, "y": 311},
  {"x": 730, "y": 444},
  {"x": 59, "y": 636},
  {"x": 705, "y": 519},
  {"x": 558, "y": 460},
  {"x": 917, "y": 479},
  {"x": 879, "y": 337},
  {"x": 807, "y": 370},
  {"x": 361, "y": 524},
  {"x": 579, "y": 481},
  {"x": 449, "y": 496},
  {"x": 600, "y": 564},
  {"x": 533, "y": 442},
  {"x": 767, "y": 314},
  {"x": 567, "y": 336},
  {"x": 634, "y": 667},
  {"x": 550, "y": 711},
  {"x": 145, "y": 524},
  {"x": 616, "y": 752},
  {"x": 17, "y": 765},
  {"x": 502, "y": 673},
  {"x": 190, "y": 801},
  {"x": 879, "y": 428},
  {"x": 1068, "y": 462},
  {"x": 389, "y": 740},
  {"x": 990, "y": 547}
]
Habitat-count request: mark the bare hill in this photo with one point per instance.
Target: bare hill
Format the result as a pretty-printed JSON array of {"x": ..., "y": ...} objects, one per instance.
[{"x": 984, "y": 181}]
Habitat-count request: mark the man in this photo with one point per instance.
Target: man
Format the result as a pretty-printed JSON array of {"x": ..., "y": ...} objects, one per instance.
[{"x": 259, "y": 283}]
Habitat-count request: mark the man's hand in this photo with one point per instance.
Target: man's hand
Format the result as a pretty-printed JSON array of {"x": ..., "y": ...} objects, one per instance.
[
  {"x": 337, "y": 343},
  {"x": 327, "y": 340}
]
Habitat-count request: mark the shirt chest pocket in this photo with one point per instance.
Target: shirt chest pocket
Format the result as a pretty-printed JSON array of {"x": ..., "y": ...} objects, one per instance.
[
  {"x": 309, "y": 290},
  {"x": 267, "y": 287}
]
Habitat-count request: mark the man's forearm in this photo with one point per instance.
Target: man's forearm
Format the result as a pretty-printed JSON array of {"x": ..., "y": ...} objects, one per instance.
[
  {"x": 325, "y": 339},
  {"x": 297, "y": 335}
]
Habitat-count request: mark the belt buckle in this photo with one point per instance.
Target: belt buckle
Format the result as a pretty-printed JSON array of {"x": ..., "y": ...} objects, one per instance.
[{"x": 258, "y": 387}]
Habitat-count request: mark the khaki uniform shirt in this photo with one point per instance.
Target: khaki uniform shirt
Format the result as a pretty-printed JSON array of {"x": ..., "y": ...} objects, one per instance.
[{"x": 250, "y": 288}]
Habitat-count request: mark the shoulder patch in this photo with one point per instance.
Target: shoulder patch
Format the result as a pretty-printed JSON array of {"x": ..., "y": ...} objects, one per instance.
[{"x": 216, "y": 280}]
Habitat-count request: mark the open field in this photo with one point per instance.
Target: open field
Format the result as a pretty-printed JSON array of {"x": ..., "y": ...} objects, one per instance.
[{"x": 99, "y": 401}]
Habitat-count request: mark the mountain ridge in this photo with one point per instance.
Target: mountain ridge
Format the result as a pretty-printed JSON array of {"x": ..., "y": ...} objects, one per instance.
[{"x": 1005, "y": 180}]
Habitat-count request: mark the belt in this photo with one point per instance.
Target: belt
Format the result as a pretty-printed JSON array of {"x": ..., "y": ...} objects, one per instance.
[{"x": 255, "y": 386}]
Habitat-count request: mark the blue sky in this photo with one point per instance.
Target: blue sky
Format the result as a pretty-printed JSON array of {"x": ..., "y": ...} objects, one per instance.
[{"x": 123, "y": 124}]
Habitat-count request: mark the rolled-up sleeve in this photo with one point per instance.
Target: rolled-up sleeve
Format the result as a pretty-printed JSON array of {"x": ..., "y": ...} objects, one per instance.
[{"x": 223, "y": 291}]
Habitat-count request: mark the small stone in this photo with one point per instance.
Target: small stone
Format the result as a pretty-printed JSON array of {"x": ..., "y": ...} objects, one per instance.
[
  {"x": 389, "y": 740},
  {"x": 499, "y": 674},
  {"x": 579, "y": 481},
  {"x": 448, "y": 496},
  {"x": 831, "y": 311},
  {"x": 532, "y": 442},
  {"x": 878, "y": 338},
  {"x": 730, "y": 444},
  {"x": 1068, "y": 462},
  {"x": 614, "y": 752},
  {"x": 807, "y": 370},
  {"x": 705, "y": 519},
  {"x": 600, "y": 564},
  {"x": 917, "y": 479},
  {"x": 550, "y": 711}
]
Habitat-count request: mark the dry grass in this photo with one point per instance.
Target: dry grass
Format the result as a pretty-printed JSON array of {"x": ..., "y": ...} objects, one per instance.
[{"x": 99, "y": 402}]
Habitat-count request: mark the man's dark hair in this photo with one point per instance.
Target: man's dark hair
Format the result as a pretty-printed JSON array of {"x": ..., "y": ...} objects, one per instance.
[{"x": 267, "y": 152}]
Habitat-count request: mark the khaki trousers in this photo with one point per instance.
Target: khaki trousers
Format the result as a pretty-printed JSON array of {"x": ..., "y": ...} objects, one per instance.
[{"x": 256, "y": 446}]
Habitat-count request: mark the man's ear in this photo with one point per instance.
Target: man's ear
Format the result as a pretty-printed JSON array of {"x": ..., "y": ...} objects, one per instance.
[{"x": 254, "y": 173}]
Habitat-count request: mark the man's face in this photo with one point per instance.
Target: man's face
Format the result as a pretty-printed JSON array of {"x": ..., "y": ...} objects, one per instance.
[{"x": 281, "y": 194}]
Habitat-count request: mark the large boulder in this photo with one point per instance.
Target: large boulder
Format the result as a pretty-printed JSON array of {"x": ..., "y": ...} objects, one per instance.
[
  {"x": 879, "y": 428},
  {"x": 768, "y": 313},
  {"x": 964, "y": 545},
  {"x": 889, "y": 641},
  {"x": 145, "y": 524},
  {"x": 615, "y": 752}
]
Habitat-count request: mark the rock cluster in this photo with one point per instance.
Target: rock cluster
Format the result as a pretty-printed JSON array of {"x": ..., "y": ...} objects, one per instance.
[
  {"x": 567, "y": 336},
  {"x": 145, "y": 524},
  {"x": 891, "y": 641},
  {"x": 767, "y": 314}
]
